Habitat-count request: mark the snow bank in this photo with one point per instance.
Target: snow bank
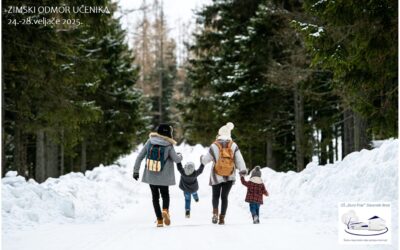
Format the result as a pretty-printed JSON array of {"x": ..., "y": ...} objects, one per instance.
[
  {"x": 72, "y": 197},
  {"x": 77, "y": 197},
  {"x": 314, "y": 193}
]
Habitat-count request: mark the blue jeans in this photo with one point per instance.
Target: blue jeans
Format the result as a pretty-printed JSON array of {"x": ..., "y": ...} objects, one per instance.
[
  {"x": 188, "y": 198},
  {"x": 255, "y": 209}
]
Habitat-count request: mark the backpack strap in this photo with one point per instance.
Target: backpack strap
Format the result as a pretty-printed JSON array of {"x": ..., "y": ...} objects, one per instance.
[
  {"x": 148, "y": 157},
  {"x": 230, "y": 146},
  {"x": 218, "y": 145}
]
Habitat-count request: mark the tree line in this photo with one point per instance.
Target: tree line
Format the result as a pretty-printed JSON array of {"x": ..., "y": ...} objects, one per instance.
[
  {"x": 162, "y": 60},
  {"x": 69, "y": 96},
  {"x": 298, "y": 78}
]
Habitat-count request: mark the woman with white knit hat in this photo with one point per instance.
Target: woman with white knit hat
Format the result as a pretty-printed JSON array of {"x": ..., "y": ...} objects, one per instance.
[{"x": 226, "y": 159}]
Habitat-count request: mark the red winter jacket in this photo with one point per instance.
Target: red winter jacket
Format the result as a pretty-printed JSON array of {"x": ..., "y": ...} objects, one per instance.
[{"x": 255, "y": 191}]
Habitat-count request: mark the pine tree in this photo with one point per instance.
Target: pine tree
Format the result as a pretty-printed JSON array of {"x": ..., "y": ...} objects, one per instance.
[
  {"x": 250, "y": 66},
  {"x": 240, "y": 90},
  {"x": 38, "y": 87},
  {"x": 357, "y": 41},
  {"x": 56, "y": 89},
  {"x": 121, "y": 126},
  {"x": 157, "y": 62}
]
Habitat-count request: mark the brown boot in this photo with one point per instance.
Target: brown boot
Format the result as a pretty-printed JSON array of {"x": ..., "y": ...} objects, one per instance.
[
  {"x": 165, "y": 215},
  {"x": 221, "y": 219},
  {"x": 160, "y": 223},
  {"x": 215, "y": 216}
]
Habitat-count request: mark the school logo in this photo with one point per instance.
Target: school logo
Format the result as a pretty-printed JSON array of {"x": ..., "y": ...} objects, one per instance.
[{"x": 364, "y": 223}]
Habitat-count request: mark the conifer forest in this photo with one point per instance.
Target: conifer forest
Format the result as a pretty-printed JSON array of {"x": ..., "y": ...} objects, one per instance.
[{"x": 300, "y": 79}]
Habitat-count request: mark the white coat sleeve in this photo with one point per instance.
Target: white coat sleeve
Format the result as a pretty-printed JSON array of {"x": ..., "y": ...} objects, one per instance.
[
  {"x": 239, "y": 161},
  {"x": 207, "y": 158}
]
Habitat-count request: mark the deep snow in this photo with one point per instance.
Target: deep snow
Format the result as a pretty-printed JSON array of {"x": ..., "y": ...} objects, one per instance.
[{"x": 107, "y": 209}]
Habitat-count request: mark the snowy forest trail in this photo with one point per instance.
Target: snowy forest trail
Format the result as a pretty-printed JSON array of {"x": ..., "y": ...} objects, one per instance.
[
  {"x": 297, "y": 222},
  {"x": 134, "y": 228}
]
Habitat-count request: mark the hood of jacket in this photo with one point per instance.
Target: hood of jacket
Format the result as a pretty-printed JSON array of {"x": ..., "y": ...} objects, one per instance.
[{"x": 158, "y": 139}]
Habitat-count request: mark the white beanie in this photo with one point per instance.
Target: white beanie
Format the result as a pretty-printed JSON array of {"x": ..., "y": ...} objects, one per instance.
[
  {"x": 189, "y": 168},
  {"x": 224, "y": 133}
]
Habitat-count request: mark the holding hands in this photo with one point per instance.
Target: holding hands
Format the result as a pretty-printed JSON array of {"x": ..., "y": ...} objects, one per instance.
[
  {"x": 243, "y": 172},
  {"x": 180, "y": 155}
]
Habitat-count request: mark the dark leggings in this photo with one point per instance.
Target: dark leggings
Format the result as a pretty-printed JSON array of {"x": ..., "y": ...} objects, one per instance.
[
  {"x": 155, "y": 192},
  {"x": 221, "y": 190}
]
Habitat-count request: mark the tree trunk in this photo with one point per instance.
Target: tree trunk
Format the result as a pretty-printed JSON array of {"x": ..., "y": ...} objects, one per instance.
[
  {"x": 342, "y": 139},
  {"x": 336, "y": 144},
  {"x": 71, "y": 164},
  {"x": 330, "y": 148},
  {"x": 40, "y": 170},
  {"x": 324, "y": 154},
  {"x": 24, "y": 156},
  {"x": 83, "y": 156},
  {"x": 51, "y": 157},
  {"x": 361, "y": 139},
  {"x": 299, "y": 127},
  {"x": 3, "y": 137},
  {"x": 270, "y": 153},
  {"x": 161, "y": 62},
  {"x": 144, "y": 49},
  {"x": 348, "y": 133},
  {"x": 62, "y": 167},
  {"x": 3, "y": 154},
  {"x": 17, "y": 149},
  {"x": 250, "y": 157},
  {"x": 20, "y": 152}
]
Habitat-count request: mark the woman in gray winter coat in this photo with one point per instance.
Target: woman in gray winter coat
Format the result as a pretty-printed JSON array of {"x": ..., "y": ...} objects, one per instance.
[
  {"x": 226, "y": 159},
  {"x": 159, "y": 170}
]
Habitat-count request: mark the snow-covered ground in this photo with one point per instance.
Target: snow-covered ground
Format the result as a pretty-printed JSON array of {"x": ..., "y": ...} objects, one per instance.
[{"x": 107, "y": 209}]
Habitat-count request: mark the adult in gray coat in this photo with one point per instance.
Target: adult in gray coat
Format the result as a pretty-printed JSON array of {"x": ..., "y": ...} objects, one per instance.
[
  {"x": 221, "y": 185},
  {"x": 159, "y": 173}
]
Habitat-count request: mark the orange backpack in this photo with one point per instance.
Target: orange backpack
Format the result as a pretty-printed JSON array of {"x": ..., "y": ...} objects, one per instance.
[{"x": 225, "y": 164}]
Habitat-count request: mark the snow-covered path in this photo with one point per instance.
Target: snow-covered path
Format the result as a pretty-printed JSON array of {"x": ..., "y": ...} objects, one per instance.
[
  {"x": 38, "y": 217},
  {"x": 134, "y": 228}
]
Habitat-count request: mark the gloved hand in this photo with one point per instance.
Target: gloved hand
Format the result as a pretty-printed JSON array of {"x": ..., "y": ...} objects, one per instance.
[
  {"x": 243, "y": 172},
  {"x": 136, "y": 176},
  {"x": 180, "y": 155}
]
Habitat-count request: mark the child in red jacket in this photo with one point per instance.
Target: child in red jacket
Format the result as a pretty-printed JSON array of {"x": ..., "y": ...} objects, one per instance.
[{"x": 255, "y": 191}]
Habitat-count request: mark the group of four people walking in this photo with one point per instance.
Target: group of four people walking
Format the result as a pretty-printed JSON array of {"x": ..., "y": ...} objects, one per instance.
[{"x": 226, "y": 159}]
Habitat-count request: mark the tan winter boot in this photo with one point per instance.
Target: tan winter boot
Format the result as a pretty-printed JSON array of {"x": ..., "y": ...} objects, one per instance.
[
  {"x": 221, "y": 219},
  {"x": 165, "y": 215},
  {"x": 160, "y": 223},
  {"x": 215, "y": 216}
]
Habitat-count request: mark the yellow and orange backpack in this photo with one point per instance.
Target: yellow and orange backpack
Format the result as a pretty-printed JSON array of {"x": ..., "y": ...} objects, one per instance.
[{"x": 225, "y": 164}]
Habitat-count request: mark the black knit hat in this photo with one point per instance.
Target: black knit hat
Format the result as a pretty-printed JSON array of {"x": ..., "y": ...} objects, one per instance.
[{"x": 165, "y": 130}]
